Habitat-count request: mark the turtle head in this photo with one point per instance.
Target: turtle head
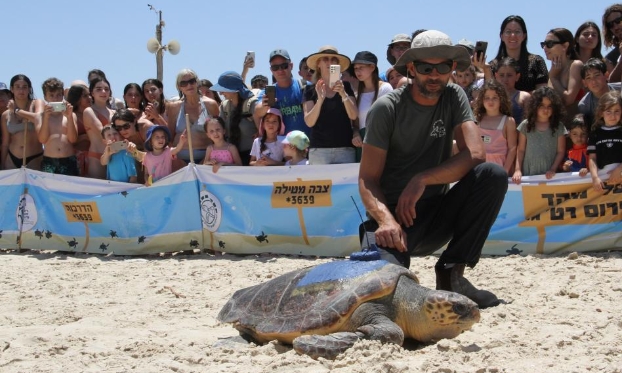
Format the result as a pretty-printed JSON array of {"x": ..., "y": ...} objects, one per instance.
[{"x": 443, "y": 314}]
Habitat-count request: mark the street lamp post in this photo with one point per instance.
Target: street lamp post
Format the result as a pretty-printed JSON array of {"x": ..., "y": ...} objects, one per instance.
[{"x": 154, "y": 45}]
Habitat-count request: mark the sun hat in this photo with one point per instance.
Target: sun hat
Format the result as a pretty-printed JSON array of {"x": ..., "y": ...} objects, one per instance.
[
  {"x": 328, "y": 51},
  {"x": 3, "y": 87},
  {"x": 276, "y": 112},
  {"x": 279, "y": 52},
  {"x": 469, "y": 45},
  {"x": 150, "y": 132},
  {"x": 433, "y": 44},
  {"x": 365, "y": 58},
  {"x": 230, "y": 81},
  {"x": 399, "y": 38},
  {"x": 297, "y": 138}
]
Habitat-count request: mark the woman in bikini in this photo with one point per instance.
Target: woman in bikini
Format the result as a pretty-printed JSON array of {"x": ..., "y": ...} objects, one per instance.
[
  {"x": 19, "y": 138},
  {"x": 80, "y": 98},
  {"x": 95, "y": 118},
  {"x": 199, "y": 110}
]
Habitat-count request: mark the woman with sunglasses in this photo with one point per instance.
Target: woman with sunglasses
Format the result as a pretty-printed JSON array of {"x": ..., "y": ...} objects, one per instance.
[
  {"x": 199, "y": 110},
  {"x": 329, "y": 109},
  {"x": 565, "y": 73},
  {"x": 95, "y": 117},
  {"x": 612, "y": 29},
  {"x": 513, "y": 35}
]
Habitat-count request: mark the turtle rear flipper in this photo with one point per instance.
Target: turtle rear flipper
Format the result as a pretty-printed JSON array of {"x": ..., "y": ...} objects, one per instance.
[{"x": 326, "y": 346}]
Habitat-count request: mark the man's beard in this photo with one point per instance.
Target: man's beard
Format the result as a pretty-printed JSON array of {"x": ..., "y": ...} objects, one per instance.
[{"x": 424, "y": 91}]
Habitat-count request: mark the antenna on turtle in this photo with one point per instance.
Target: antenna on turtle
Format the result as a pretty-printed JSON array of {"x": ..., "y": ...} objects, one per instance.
[{"x": 371, "y": 251}]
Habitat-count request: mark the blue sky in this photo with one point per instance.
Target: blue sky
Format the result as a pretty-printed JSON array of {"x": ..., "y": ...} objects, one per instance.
[{"x": 67, "y": 38}]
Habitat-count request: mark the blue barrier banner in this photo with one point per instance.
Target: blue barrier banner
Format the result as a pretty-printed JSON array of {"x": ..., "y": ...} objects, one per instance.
[{"x": 297, "y": 210}]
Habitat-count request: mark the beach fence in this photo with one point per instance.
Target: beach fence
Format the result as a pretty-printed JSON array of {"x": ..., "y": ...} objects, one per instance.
[{"x": 308, "y": 210}]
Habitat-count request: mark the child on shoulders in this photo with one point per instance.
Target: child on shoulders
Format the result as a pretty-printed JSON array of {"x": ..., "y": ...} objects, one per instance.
[
  {"x": 605, "y": 141},
  {"x": 158, "y": 161},
  {"x": 222, "y": 152},
  {"x": 267, "y": 149},
  {"x": 295, "y": 148}
]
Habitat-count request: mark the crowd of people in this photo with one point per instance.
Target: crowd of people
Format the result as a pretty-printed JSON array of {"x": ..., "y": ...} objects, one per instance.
[{"x": 441, "y": 114}]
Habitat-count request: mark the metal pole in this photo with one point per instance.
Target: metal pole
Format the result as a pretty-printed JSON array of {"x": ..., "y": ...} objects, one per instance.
[{"x": 160, "y": 52}]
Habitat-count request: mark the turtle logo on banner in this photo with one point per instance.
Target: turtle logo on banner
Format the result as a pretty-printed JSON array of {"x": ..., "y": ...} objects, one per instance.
[
  {"x": 26, "y": 213},
  {"x": 211, "y": 211}
]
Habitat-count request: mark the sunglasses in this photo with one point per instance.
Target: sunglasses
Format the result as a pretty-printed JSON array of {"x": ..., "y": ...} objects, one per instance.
[
  {"x": 550, "y": 43},
  {"x": 282, "y": 66},
  {"x": 425, "y": 68},
  {"x": 125, "y": 126},
  {"x": 183, "y": 83},
  {"x": 616, "y": 21}
]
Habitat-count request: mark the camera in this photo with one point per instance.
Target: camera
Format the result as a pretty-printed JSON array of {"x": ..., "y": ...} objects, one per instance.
[{"x": 57, "y": 106}]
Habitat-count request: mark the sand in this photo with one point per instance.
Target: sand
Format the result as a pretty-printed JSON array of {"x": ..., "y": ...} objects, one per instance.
[{"x": 92, "y": 313}]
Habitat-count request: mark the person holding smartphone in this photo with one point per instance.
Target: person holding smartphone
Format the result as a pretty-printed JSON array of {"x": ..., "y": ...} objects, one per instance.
[
  {"x": 407, "y": 167},
  {"x": 330, "y": 109},
  {"x": 288, "y": 94}
]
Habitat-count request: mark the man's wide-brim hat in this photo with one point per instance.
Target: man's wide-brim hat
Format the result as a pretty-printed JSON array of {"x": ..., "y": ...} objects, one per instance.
[
  {"x": 433, "y": 44},
  {"x": 328, "y": 51}
]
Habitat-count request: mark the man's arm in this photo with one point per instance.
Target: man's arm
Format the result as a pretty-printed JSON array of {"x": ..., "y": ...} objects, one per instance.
[
  {"x": 471, "y": 152},
  {"x": 389, "y": 232}
]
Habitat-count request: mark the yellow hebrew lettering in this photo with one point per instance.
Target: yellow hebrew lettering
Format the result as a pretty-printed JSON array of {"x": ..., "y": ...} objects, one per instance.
[
  {"x": 312, "y": 193},
  {"x": 82, "y": 212}
]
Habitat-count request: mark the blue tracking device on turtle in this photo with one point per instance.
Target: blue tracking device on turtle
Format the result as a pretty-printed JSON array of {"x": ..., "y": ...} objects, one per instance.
[{"x": 370, "y": 252}]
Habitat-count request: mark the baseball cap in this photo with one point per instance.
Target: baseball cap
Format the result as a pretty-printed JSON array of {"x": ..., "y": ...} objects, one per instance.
[
  {"x": 298, "y": 139},
  {"x": 3, "y": 87},
  {"x": 279, "y": 52}
]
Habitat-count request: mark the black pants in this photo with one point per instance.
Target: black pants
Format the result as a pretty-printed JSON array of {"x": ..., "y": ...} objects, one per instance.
[{"x": 463, "y": 217}]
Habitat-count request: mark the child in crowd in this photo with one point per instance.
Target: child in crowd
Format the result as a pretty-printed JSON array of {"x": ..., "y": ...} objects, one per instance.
[
  {"x": 158, "y": 161},
  {"x": 467, "y": 80},
  {"x": 507, "y": 72},
  {"x": 118, "y": 155},
  {"x": 221, "y": 153},
  {"x": 295, "y": 148},
  {"x": 267, "y": 150},
  {"x": 577, "y": 158},
  {"x": 496, "y": 125},
  {"x": 605, "y": 141},
  {"x": 57, "y": 131},
  {"x": 541, "y": 138}
]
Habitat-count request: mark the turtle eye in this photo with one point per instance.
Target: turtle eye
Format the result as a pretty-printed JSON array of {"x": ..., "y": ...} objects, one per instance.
[{"x": 460, "y": 309}]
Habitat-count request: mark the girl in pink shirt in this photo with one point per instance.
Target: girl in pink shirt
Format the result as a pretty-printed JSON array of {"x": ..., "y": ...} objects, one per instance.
[
  {"x": 158, "y": 161},
  {"x": 493, "y": 113},
  {"x": 222, "y": 152}
]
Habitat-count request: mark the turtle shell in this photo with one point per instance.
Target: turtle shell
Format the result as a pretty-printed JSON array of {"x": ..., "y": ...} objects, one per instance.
[{"x": 314, "y": 300}]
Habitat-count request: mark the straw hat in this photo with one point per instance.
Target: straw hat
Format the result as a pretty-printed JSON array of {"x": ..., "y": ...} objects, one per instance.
[{"x": 328, "y": 51}]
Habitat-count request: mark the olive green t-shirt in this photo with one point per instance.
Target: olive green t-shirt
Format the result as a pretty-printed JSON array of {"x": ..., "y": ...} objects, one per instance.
[{"x": 416, "y": 137}]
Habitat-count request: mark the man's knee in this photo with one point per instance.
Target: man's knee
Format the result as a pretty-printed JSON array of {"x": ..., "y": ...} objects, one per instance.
[{"x": 493, "y": 176}]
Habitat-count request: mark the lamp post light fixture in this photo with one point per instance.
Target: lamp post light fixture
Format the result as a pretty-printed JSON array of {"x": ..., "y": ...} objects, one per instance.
[{"x": 154, "y": 45}]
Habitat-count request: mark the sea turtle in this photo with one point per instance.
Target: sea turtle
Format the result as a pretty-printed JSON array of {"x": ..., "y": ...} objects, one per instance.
[
  {"x": 39, "y": 234},
  {"x": 113, "y": 234},
  {"x": 324, "y": 310},
  {"x": 141, "y": 239},
  {"x": 262, "y": 237},
  {"x": 48, "y": 234}
]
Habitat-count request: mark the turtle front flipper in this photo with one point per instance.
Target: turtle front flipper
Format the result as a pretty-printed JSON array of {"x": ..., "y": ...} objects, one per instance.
[{"x": 326, "y": 346}]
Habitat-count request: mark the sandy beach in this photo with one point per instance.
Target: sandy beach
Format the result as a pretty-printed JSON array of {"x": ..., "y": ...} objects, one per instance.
[{"x": 93, "y": 313}]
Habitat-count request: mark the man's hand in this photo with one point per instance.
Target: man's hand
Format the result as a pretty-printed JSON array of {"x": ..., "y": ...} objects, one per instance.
[
  {"x": 390, "y": 234},
  {"x": 405, "y": 210}
]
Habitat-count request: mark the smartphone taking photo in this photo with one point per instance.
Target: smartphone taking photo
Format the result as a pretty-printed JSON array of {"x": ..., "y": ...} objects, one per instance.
[
  {"x": 334, "y": 75},
  {"x": 480, "y": 49},
  {"x": 271, "y": 95}
]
